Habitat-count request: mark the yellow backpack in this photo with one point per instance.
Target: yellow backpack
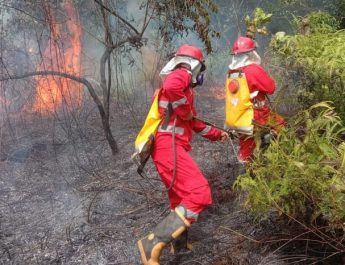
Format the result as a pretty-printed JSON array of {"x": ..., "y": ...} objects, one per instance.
[
  {"x": 239, "y": 113},
  {"x": 145, "y": 138}
]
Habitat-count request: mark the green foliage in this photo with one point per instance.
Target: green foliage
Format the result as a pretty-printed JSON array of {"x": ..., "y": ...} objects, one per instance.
[
  {"x": 257, "y": 22},
  {"x": 300, "y": 6},
  {"x": 302, "y": 172},
  {"x": 318, "y": 59},
  {"x": 186, "y": 16},
  {"x": 321, "y": 22}
]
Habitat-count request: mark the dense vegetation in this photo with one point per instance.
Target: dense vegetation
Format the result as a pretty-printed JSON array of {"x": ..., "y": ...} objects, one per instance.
[
  {"x": 301, "y": 176},
  {"x": 315, "y": 56}
]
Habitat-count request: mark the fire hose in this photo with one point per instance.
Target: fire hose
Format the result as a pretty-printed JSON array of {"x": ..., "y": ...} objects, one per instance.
[
  {"x": 174, "y": 146},
  {"x": 232, "y": 132}
]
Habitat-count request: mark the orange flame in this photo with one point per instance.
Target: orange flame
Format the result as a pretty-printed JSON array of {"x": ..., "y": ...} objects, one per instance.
[{"x": 62, "y": 54}]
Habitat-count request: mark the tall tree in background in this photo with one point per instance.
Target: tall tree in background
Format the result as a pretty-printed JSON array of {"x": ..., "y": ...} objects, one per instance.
[{"x": 122, "y": 31}]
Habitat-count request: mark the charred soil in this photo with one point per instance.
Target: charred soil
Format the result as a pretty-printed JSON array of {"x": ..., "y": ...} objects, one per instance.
[{"x": 66, "y": 200}]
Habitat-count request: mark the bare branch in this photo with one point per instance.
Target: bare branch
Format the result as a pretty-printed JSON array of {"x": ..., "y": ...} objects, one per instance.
[
  {"x": 104, "y": 116},
  {"x": 65, "y": 75},
  {"x": 23, "y": 11},
  {"x": 147, "y": 18},
  {"x": 118, "y": 16}
]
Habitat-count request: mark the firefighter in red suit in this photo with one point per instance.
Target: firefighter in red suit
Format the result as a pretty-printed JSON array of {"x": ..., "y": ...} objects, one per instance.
[
  {"x": 190, "y": 192},
  {"x": 245, "y": 59}
]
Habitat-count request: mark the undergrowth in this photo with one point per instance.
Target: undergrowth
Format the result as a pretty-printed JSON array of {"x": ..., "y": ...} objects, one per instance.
[
  {"x": 315, "y": 58},
  {"x": 302, "y": 172}
]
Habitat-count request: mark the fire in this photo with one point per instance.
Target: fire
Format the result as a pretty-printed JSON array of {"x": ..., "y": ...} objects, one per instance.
[{"x": 62, "y": 54}]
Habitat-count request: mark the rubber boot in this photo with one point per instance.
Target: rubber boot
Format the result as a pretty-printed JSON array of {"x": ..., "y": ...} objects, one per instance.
[
  {"x": 180, "y": 243},
  {"x": 169, "y": 229}
]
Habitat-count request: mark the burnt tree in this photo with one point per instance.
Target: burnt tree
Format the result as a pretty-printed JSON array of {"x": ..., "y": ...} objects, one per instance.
[{"x": 174, "y": 18}]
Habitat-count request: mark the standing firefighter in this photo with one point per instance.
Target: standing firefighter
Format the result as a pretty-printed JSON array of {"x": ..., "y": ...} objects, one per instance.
[
  {"x": 247, "y": 87},
  {"x": 188, "y": 190}
]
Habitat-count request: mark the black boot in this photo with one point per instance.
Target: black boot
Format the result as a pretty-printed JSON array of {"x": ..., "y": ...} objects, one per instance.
[
  {"x": 169, "y": 229},
  {"x": 181, "y": 244}
]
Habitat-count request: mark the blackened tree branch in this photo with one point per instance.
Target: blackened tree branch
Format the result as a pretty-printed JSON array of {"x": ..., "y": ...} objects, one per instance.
[
  {"x": 118, "y": 16},
  {"x": 84, "y": 81}
]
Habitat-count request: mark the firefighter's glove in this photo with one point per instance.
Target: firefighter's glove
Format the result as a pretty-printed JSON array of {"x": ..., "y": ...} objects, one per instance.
[{"x": 223, "y": 136}]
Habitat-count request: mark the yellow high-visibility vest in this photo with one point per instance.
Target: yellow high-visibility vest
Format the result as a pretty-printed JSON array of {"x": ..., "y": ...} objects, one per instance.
[{"x": 239, "y": 113}]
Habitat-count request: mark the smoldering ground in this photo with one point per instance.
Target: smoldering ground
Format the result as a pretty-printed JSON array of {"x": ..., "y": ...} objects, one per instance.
[{"x": 66, "y": 200}]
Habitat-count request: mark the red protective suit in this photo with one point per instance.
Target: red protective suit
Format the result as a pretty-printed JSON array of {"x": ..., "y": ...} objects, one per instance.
[
  {"x": 190, "y": 189},
  {"x": 258, "y": 80}
]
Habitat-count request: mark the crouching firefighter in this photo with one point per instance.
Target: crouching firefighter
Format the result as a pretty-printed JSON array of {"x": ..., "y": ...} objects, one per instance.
[{"x": 188, "y": 190}]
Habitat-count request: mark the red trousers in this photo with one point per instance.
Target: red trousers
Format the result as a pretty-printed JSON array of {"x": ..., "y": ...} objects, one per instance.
[
  {"x": 247, "y": 146},
  {"x": 190, "y": 188},
  {"x": 247, "y": 143}
]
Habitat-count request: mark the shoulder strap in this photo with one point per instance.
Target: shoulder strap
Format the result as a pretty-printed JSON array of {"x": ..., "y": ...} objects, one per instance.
[{"x": 167, "y": 114}]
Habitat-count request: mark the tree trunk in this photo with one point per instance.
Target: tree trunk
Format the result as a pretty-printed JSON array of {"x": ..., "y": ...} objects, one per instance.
[{"x": 102, "y": 112}]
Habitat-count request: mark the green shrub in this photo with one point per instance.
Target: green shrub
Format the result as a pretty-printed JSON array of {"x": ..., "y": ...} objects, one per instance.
[
  {"x": 321, "y": 22},
  {"x": 301, "y": 174},
  {"x": 315, "y": 61}
]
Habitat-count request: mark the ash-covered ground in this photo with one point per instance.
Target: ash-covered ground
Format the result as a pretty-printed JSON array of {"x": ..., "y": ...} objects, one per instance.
[{"x": 66, "y": 200}]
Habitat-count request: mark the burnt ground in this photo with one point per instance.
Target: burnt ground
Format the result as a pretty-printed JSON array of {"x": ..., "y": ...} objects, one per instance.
[{"x": 66, "y": 200}]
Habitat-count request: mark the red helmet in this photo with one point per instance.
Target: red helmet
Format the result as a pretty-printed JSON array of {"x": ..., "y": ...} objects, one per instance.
[
  {"x": 242, "y": 45},
  {"x": 193, "y": 52},
  {"x": 190, "y": 51}
]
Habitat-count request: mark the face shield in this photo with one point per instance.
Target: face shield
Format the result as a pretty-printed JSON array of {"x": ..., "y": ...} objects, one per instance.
[{"x": 194, "y": 64}]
